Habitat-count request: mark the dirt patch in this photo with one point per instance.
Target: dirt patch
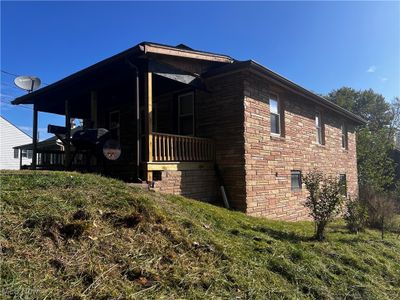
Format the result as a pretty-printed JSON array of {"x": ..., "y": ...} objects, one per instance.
[{"x": 81, "y": 215}]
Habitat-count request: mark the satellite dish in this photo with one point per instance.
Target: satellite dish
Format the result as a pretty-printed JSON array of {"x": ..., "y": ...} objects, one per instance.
[
  {"x": 112, "y": 150},
  {"x": 27, "y": 83}
]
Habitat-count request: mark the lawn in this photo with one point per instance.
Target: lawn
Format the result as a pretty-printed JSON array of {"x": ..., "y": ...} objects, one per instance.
[{"x": 73, "y": 236}]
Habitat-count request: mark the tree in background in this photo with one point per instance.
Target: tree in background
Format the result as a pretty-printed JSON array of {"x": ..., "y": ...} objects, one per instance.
[
  {"x": 375, "y": 139},
  {"x": 369, "y": 105}
]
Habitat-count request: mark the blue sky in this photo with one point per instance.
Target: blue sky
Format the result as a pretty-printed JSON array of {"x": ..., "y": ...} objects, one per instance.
[{"x": 319, "y": 45}]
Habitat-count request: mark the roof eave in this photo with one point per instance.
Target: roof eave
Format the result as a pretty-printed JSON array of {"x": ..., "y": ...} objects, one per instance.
[{"x": 253, "y": 65}]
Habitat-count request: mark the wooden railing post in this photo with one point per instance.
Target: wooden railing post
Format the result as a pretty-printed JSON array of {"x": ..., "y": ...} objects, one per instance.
[{"x": 149, "y": 123}]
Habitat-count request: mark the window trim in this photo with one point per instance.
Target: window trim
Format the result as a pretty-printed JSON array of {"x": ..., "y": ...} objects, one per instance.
[
  {"x": 300, "y": 182},
  {"x": 344, "y": 136},
  {"x": 279, "y": 114},
  {"x": 186, "y": 115},
  {"x": 319, "y": 128}
]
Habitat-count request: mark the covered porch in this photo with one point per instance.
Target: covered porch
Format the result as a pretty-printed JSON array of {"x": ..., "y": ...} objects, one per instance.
[{"x": 147, "y": 104}]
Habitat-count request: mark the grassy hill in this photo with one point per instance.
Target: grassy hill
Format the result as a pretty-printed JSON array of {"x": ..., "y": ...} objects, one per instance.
[{"x": 73, "y": 236}]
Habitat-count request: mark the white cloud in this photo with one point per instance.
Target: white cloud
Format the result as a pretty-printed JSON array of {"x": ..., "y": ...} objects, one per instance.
[
  {"x": 371, "y": 69},
  {"x": 384, "y": 79}
]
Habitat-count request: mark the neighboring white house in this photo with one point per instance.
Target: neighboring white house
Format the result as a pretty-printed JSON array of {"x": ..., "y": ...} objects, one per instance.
[{"x": 10, "y": 137}]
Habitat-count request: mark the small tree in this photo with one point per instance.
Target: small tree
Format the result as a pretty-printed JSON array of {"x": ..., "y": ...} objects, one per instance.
[
  {"x": 356, "y": 215},
  {"x": 323, "y": 201}
]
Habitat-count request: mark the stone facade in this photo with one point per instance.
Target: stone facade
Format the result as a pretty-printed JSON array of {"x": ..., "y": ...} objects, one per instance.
[
  {"x": 270, "y": 159},
  {"x": 196, "y": 184},
  {"x": 255, "y": 165}
]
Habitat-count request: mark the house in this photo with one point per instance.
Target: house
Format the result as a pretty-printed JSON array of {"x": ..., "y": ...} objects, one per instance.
[
  {"x": 11, "y": 136},
  {"x": 188, "y": 121},
  {"x": 49, "y": 153}
]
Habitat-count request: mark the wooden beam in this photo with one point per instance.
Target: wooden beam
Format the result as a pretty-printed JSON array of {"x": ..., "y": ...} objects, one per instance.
[
  {"x": 93, "y": 109},
  {"x": 67, "y": 134},
  {"x": 149, "y": 121},
  {"x": 34, "y": 136},
  {"x": 179, "y": 166}
]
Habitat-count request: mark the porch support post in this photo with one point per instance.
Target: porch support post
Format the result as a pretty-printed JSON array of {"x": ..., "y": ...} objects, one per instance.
[
  {"x": 93, "y": 109},
  {"x": 34, "y": 136},
  {"x": 67, "y": 134},
  {"x": 20, "y": 158},
  {"x": 149, "y": 122}
]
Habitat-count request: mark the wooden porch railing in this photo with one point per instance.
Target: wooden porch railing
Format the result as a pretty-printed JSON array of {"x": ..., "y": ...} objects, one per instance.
[
  {"x": 55, "y": 159},
  {"x": 169, "y": 147}
]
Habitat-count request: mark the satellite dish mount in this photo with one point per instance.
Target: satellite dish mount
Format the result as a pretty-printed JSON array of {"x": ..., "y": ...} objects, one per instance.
[{"x": 27, "y": 83}]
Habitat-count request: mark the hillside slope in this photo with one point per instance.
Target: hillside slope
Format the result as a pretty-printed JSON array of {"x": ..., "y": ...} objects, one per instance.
[{"x": 74, "y": 236}]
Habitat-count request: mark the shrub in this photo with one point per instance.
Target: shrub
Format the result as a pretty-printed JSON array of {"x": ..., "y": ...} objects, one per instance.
[
  {"x": 381, "y": 208},
  {"x": 356, "y": 215},
  {"x": 323, "y": 201}
]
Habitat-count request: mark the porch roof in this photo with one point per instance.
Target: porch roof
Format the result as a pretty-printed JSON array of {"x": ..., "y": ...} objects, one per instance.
[{"x": 48, "y": 98}]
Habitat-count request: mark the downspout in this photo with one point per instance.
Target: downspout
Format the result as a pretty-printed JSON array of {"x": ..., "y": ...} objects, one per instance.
[{"x": 133, "y": 66}]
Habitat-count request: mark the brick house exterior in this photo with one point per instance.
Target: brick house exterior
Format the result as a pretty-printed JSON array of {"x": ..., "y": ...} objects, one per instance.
[{"x": 260, "y": 130}]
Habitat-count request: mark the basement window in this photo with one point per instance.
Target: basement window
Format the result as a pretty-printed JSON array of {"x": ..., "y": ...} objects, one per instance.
[
  {"x": 343, "y": 184},
  {"x": 296, "y": 180}
]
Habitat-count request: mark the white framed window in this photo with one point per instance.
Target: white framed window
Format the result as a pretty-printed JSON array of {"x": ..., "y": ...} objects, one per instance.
[
  {"x": 24, "y": 153},
  {"x": 16, "y": 153},
  {"x": 344, "y": 136},
  {"x": 318, "y": 128},
  {"x": 275, "y": 114},
  {"x": 186, "y": 114}
]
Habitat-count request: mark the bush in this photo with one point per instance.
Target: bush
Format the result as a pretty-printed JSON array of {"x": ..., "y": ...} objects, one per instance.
[
  {"x": 356, "y": 215},
  {"x": 323, "y": 201},
  {"x": 381, "y": 208}
]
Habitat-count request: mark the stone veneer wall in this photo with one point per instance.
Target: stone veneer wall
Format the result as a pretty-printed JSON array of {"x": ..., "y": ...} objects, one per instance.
[
  {"x": 270, "y": 160},
  {"x": 196, "y": 184}
]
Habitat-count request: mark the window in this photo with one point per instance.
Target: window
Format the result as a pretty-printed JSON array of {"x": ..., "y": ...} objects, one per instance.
[
  {"x": 186, "y": 114},
  {"x": 24, "y": 153},
  {"x": 296, "y": 180},
  {"x": 343, "y": 184},
  {"x": 275, "y": 116},
  {"x": 29, "y": 153},
  {"x": 318, "y": 127},
  {"x": 16, "y": 153},
  {"x": 344, "y": 136}
]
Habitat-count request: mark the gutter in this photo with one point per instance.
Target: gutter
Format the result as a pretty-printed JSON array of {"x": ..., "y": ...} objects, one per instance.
[{"x": 284, "y": 82}]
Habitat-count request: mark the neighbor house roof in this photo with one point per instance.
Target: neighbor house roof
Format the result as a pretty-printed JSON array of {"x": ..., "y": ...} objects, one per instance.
[{"x": 181, "y": 50}]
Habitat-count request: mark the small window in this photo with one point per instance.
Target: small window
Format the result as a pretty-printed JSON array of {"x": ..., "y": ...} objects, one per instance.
[
  {"x": 343, "y": 184},
  {"x": 29, "y": 153},
  {"x": 16, "y": 153},
  {"x": 344, "y": 136},
  {"x": 275, "y": 115},
  {"x": 186, "y": 114},
  {"x": 318, "y": 127},
  {"x": 24, "y": 153},
  {"x": 296, "y": 180}
]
